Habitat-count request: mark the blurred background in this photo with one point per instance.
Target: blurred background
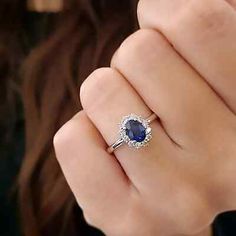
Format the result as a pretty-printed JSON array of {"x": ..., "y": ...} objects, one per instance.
[{"x": 47, "y": 49}]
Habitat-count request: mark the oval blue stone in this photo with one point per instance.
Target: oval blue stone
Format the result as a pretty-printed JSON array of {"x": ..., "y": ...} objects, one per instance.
[{"x": 135, "y": 131}]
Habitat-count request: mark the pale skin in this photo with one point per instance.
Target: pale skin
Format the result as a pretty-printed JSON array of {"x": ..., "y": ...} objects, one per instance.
[
  {"x": 45, "y": 5},
  {"x": 181, "y": 66}
]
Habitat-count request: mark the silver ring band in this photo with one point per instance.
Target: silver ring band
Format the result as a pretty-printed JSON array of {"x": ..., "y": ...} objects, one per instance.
[{"x": 125, "y": 138}]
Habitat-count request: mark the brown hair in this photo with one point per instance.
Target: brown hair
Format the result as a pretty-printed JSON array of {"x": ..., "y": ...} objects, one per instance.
[{"x": 80, "y": 38}]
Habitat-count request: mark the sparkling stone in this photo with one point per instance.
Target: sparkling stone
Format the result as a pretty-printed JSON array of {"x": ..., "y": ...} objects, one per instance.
[{"x": 135, "y": 130}]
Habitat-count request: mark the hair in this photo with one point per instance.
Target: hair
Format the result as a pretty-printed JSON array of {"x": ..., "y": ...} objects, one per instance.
[{"x": 47, "y": 75}]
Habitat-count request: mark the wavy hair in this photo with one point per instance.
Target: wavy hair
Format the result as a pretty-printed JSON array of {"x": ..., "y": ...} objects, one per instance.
[{"x": 49, "y": 72}]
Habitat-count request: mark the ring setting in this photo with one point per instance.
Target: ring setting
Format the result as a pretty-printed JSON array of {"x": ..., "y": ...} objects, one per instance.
[{"x": 135, "y": 131}]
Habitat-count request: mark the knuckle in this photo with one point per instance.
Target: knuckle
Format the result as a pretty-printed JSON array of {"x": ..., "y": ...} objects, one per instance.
[
  {"x": 90, "y": 220},
  {"x": 211, "y": 16},
  {"x": 133, "y": 226},
  {"x": 135, "y": 218},
  {"x": 200, "y": 220},
  {"x": 232, "y": 3},
  {"x": 205, "y": 15},
  {"x": 146, "y": 14},
  {"x": 140, "y": 10},
  {"x": 143, "y": 43},
  {"x": 65, "y": 135},
  {"x": 92, "y": 84},
  {"x": 125, "y": 223},
  {"x": 197, "y": 213},
  {"x": 106, "y": 225},
  {"x": 63, "y": 138},
  {"x": 99, "y": 87}
]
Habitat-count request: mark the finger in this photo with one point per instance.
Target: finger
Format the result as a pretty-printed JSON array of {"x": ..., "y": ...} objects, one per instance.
[
  {"x": 156, "y": 170},
  {"x": 96, "y": 179},
  {"x": 204, "y": 33},
  {"x": 232, "y": 3},
  {"x": 106, "y": 97},
  {"x": 187, "y": 107}
]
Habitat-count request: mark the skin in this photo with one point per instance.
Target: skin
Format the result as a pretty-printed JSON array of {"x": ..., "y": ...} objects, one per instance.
[
  {"x": 45, "y": 5},
  {"x": 181, "y": 66}
]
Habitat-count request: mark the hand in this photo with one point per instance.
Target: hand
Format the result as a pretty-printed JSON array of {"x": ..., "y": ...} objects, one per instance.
[{"x": 187, "y": 174}]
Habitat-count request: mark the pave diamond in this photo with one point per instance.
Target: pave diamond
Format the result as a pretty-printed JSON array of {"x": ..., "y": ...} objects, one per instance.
[{"x": 135, "y": 131}]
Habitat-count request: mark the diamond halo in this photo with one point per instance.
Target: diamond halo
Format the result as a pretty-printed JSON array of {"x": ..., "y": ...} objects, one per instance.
[{"x": 143, "y": 123}]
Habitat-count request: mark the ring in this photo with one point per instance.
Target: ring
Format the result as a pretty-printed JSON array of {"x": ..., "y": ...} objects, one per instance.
[{"x": 134, "y": 131}]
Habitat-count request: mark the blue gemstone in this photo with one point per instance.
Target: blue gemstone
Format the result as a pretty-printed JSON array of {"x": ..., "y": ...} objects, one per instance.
[{"x": 135, "y": 130}]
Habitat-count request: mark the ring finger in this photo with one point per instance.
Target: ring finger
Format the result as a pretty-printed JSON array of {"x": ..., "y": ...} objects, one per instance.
[{"x": 106, "y": 97}]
